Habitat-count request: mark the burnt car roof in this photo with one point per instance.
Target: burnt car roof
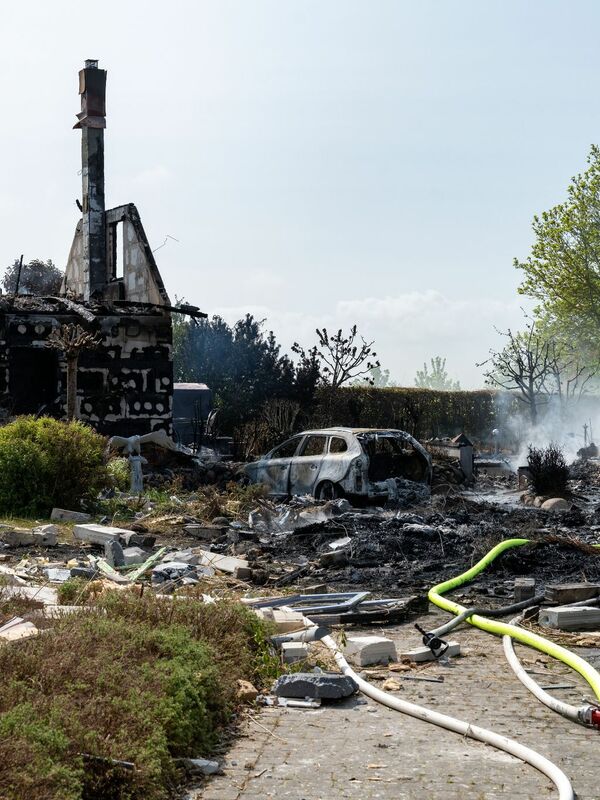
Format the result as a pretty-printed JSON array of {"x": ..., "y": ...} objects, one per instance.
[{"x": 355, "y": 431}]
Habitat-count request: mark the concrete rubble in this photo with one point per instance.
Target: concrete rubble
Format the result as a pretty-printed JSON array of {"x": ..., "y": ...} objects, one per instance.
[{"x": 322, "y": 685}]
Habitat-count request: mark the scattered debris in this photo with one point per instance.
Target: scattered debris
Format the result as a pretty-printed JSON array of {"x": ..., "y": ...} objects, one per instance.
[{"x": 17, "y": 628}]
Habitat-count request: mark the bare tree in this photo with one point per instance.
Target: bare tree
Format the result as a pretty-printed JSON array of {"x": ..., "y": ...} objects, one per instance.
[
  {"x": 526, "y": 364},
  {"x": 571, "y": 373},
  {"x": 341, "y": 357},
  {"x": 71, "y": 340}
]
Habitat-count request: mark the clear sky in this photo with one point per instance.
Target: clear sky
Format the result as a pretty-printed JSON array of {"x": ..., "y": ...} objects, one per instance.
[{"x": 318, "y": 161}]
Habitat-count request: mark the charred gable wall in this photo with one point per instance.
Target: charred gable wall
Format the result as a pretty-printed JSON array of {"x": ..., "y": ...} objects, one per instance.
[{"x": 125, "y": 384}]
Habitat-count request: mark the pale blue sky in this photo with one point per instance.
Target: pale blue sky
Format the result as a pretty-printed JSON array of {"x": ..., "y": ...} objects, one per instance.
[{"x": 319, "y": 161}]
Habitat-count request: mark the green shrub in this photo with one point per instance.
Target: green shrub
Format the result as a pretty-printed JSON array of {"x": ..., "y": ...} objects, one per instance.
[
  {"x": 136, "y": 680},
  {"x": 119, "y": 472},
  {"x": 46, "y": 463}
]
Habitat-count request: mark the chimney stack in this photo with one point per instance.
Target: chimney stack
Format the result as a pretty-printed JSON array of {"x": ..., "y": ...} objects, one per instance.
[{"x": 92, "y": 121}]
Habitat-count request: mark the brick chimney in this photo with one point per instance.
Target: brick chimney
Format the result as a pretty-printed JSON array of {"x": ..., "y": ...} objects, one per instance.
[{"x": 92, "y": 121}]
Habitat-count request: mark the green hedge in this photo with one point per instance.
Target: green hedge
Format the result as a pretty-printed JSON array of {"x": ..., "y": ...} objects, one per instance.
[{"x": 424, "y": 413}]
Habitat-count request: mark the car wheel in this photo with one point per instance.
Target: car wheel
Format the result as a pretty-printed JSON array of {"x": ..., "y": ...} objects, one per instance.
[{"x": 327, "y": 490}]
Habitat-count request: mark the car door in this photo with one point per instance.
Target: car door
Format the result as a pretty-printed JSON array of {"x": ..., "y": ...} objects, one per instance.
[
  {"x": 307, "y": 464},
  {"x": 274, "y": 469}
]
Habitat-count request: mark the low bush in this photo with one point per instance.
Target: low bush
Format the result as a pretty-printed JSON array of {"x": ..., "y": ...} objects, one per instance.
[
  {"x": 46, "y": 463},
  {"x": 119, "y": 473},
  {"x": 548, "y": 470},
  {"x": 133, "y": 679}
]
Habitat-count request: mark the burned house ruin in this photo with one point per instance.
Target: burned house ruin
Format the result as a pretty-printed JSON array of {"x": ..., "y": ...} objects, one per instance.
[{"x": 113, "y": 288}]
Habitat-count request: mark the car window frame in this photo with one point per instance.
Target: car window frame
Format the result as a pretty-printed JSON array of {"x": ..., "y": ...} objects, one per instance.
[
  {"x": 272, "y": 457},
  {"x": 341, "y": 452},
  {"x": 301, "y": 454}
]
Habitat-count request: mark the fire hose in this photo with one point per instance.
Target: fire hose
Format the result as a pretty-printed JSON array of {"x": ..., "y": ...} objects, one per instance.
[
  {"x": 526, "y": 754},
  {"x": 587, "y": 715},
  {"x": 511, "y": 630}
]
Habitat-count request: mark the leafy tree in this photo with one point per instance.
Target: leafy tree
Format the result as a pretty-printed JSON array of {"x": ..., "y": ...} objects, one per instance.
[
  {"x": 562, "y": 271},
  {"x": 437, "y": 377},
  {"x": 540, "y": 367},
  {"x": 243, "y": 365},
  {"x": 340, "y": 357},
  {"x": 38, "y": 277}
]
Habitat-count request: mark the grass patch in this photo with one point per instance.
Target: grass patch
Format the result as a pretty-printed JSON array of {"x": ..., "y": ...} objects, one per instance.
[{"x": 134, "y": 679}]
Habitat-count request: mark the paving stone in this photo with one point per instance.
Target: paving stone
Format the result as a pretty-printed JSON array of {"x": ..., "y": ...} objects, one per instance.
[{"x": 324, "y": 754}]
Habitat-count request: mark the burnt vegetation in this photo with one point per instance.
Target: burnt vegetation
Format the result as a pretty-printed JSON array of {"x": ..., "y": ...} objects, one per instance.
[{"x": 548, "y": 470}]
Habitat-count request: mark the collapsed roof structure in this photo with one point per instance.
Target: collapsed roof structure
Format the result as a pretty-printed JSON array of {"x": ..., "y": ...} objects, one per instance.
[{"x": 112, "y": 287}]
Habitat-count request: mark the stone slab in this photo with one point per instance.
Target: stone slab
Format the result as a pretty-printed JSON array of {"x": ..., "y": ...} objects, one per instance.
[
  {"x": 97, "y": 534},
  {"x": 420, "y": 654},
  {"x": 325, "y": 685},
  {"x": 64, "y": 515},
  {"x": 564, "y": 593}
]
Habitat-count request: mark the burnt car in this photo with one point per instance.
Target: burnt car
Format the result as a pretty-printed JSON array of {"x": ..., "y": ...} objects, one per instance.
[{"x": 340, "y": 462}]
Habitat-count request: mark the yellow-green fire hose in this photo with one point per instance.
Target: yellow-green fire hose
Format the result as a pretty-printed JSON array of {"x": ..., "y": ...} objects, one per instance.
[{"x": 506, "y": 629}]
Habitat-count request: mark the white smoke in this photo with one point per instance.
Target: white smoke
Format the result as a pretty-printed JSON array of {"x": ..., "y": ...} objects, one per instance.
[{"x": 558, "y": 423}]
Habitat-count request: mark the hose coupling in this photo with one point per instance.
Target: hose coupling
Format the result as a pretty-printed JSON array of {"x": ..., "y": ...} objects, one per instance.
[
  {"x": 437, "y": 646},
  {"x": 590, "y": 715}
]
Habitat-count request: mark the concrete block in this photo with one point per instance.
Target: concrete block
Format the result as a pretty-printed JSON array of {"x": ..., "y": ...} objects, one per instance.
[
  {"x": 88, "y": 573},
  {"x": 367, "y": 650},
  {"x": 113, "y": 553},
  {"x": 57, "y": 575},
  {"x": 420, "y": 654},
  {"x": 569, "y": 618},
  {"x": 524, "y": 589},
  {"x": 206, "y": 532},
  {"x": 323, "y": 685},
  {"x": 97, "y": 534},
  {"x": 63, "y": 515},
  {"x": 49, "y": 532},
  {"x": 242, "y": 573},
  {"x": 222, "y": 563},
  {"x": 23, "y": 537},
  {"x": 286, "y": 620},
  {"x": 134, "y": 555},
  {"x": 561, "y": 594},
  {"x": 136, "y": 539},
  {"x": 294, "y": 651}
]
